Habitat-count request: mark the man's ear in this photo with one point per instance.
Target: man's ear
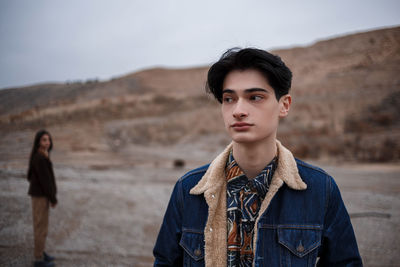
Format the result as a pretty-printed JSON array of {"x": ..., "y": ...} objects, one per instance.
[{"x": 284, "y": 105}]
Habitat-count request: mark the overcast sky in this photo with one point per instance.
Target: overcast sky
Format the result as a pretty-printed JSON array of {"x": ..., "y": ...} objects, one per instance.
[{"x": 54, "y": 40}]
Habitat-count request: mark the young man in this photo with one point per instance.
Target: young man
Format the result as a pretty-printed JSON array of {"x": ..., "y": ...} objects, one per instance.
[{"x": 255, "y": 204}]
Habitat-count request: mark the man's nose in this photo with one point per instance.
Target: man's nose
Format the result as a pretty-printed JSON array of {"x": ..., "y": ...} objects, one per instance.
[{"x": 240, "y": 111}]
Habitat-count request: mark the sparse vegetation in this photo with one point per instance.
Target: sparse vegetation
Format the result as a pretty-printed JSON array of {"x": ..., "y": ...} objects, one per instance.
[{"x": 346, "y": 103}]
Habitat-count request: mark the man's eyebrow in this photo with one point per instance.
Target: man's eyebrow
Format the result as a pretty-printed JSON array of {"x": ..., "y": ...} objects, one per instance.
[
  {"x": 252, "y": 90},
  {"x": 247, "y": 91},
  {"x": 228, "y": 91}
]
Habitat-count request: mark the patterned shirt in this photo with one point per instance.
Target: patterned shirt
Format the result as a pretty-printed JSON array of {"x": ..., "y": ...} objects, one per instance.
[{"x": 244, "y": 198}]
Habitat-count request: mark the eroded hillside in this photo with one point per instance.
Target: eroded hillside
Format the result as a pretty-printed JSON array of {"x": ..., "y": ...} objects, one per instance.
[{"x": 346, "y": 96}]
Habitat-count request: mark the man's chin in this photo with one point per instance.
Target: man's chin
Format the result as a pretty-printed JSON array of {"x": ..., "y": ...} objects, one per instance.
[
  {"x": 249, "y": 139},
  {"x": 243, "y": 139}
]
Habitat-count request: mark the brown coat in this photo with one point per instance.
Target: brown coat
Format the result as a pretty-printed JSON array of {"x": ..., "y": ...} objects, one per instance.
[{"x": 41, "y": 178}]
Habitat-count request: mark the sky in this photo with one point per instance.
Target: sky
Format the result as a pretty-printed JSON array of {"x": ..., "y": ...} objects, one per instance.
[{"x": 77, "y": 40}]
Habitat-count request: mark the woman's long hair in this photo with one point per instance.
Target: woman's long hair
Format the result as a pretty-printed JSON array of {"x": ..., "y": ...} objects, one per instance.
[{"x": 35, "y": 148}]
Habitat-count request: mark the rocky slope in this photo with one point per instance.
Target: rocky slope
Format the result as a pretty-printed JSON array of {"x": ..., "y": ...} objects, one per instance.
[{"x": 346, "y": 101}]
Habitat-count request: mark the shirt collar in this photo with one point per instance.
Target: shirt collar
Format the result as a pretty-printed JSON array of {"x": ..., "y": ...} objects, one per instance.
[{"x": 236, "y": 179}]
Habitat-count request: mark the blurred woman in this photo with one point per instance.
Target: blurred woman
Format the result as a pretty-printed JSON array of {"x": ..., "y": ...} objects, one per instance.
[{"x": 42, "y": 190}]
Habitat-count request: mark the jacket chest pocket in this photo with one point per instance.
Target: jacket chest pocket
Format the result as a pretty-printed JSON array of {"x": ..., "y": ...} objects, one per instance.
[
  {"x": 299, "y": 246},
  {"x": 192, "y": 243}
]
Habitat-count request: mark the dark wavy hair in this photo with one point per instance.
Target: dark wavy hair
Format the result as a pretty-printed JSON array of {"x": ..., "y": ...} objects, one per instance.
[
  {"x": 35, "y": 148},
  {"x": 271, "y": 66}
]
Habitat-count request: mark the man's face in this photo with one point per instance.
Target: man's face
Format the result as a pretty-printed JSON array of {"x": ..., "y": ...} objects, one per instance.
[{"x": 249, "y": 107}]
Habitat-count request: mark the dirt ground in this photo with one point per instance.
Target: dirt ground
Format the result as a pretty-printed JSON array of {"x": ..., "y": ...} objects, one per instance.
[
  {"x": 115, "y": 144},
  {"x": 109, "y": 215}
]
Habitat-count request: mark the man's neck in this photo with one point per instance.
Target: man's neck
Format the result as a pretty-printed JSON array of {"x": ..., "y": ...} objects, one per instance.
[{"x": 252, "y": 158}]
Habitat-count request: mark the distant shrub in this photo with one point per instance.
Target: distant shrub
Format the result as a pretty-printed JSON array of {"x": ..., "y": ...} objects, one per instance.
[
  {"x": 390, "y": 150},
  {"x": 89, "y": 81},
  {"x": 383, "y": 115},
  {"x": 179, "y": 163}
]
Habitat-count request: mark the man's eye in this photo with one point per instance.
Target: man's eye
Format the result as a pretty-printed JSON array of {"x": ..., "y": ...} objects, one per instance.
[
  {"x": 227, "y": 99},
  {"x": 256, "y": 97}
]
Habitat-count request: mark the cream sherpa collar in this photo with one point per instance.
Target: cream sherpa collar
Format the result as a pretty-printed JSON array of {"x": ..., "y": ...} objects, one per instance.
[{"x": 213, "y": 186}]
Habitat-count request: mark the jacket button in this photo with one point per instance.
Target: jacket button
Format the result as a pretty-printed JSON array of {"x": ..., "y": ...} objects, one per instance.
[
  {"x": 197, "y": 252},
  {"x": 300, "y": 248},
  {"x": 210, "y": 229},
  {"x": 213, "y": 196}
]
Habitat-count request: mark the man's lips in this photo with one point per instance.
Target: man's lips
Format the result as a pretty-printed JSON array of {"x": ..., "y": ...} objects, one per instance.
[{"x": 241, "y": 126}]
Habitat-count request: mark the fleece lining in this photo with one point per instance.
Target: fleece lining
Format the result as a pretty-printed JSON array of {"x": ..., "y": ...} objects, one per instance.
[{"x": 213, "y": 186}]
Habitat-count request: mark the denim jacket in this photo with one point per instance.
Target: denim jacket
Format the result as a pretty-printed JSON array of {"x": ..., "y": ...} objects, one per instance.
[{"x": 301, "y": 219}]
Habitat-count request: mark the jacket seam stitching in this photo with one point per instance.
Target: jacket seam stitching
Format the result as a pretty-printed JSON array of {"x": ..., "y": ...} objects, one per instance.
[
  {"x": 301, "y": 255},
  {"x": 181, "y": 200},
  {"x": 188, "y": 251},
  {"x": 328, "y": 198},
  {"x": 305, "y": 165},
  {"x": 303, "y": 227},
  {"x": 192, "y": 173},
  {"x": 189, "y": 230}
]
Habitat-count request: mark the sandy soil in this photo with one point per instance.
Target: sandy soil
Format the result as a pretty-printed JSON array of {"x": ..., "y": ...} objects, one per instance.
[
  {"x": 110, "y": 216},
  {"x": 116, "y": 143}
]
